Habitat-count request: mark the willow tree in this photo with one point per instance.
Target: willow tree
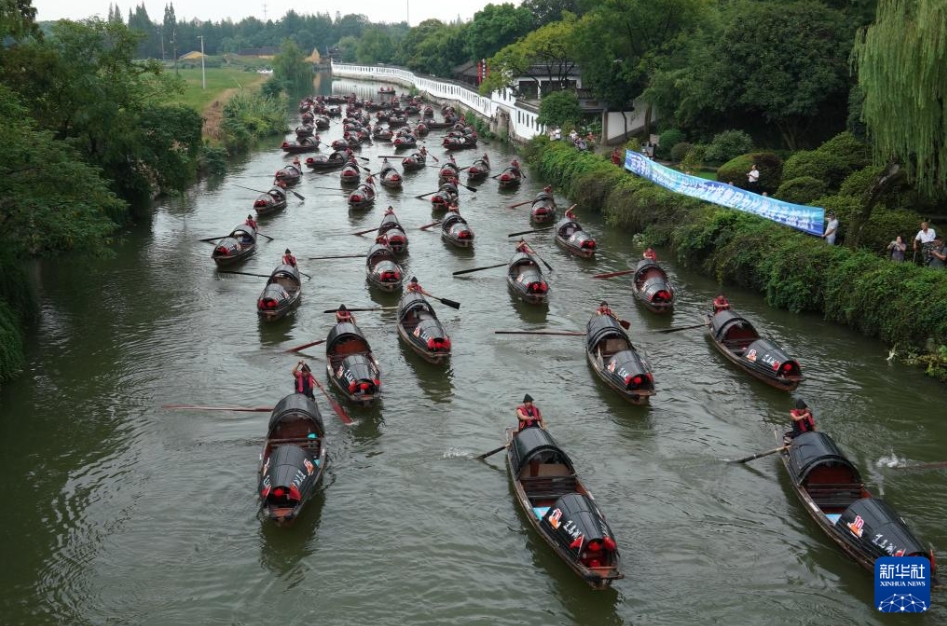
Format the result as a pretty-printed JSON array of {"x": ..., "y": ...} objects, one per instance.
[{"x": 902, "y": 70}]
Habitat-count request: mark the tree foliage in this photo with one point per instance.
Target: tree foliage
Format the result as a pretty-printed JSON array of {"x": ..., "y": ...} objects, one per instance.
[
  {"x": 495, "y": 27},
  {"x": 547, "y": 53},
  {"x": 560, "y": 108},
  {"x": 291, "y": 68},
  {"x": 375, "y": 46},
  {"x": 902, "y": 71}
]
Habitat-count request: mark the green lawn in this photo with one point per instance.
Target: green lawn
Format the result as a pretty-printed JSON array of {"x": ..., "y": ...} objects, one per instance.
[{"x": 219, "y": 79}]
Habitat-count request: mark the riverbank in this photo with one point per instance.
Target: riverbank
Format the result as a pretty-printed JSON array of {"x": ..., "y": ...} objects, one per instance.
[
  {"x": 222, "y": 84},
  {"x": 902, "y": 304}
]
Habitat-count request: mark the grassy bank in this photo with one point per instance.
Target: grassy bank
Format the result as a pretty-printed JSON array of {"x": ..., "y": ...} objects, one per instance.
[
  {"x": 221, "y": 82},
  {"x": 899, "y": 303}
]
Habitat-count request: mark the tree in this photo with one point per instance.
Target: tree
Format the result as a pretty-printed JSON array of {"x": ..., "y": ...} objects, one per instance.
[
  {"x": 902, "y": 70},
  {"x": 349, "y": 48},
  {"x": 546, "y": 53},
  {"x": 547, "y": 11},
  {"x": 375, "y": 46},
  {"x": 169, "y": 34},
  {"x": 560, "y": 108},
  {"x": 495, "y": 27},
  {"x": 17, "y": 20},
  {"x": 291, "y": 68}
]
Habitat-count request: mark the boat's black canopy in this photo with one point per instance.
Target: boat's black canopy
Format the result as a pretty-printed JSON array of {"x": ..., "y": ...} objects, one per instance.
[
  {"x": 816, "y": 449},
  {"x": 379, "y": 252},
  {"x": 645, "y": 265},
  {"x": 881, "y": 530},
  {"x": 243, "y": 228},
  {"x": 284, "y": 465},
  {"x": 522, "y": 258},
  {"x": 600, "y": 328},
  {"x": 388, "y": 222},
  {"x": 342, "y": 332},
  {"x": 723, "y": 321},
  {"x": 285, "y": 269},
  {"x": 573, "y": 516},
  {"x": 296, "y": 407},
  {"x": 450, "y": 219},
  {"x": 536, "y": 444},
  {"x": 412, "y": 301}
]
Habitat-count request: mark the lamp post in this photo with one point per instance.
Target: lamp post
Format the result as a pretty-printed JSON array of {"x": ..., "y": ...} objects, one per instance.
[{"x": 203, "y": 78}]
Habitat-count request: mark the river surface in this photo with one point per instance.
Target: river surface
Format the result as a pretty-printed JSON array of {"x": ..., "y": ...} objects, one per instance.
[{"x": 120, "y": 512}]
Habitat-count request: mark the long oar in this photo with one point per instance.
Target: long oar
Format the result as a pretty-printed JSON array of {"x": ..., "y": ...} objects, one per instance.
[
  {"x": 477, "y": 269},
  {"x": 759, "y": 455},
  {"x": 451, "y": 303},
  {"x": 304, "y": 273},
  {"x": 677, "y": 328},
  {"x": 213, "y": 239},
  {"x": 191, "y": 407},
  {"x": 613, "y": 274},
  {"x": 536, "y": 254},
  {"x": 251, "y": 188},
  {"x": 262, "y": 235},
  {"x": 426, "y": 226},
  {"x": 330, "y": 188},
  {"x": 374, "y": 308},
  {"x": 365, "y": 232},
  {"x": 922, "y": 466},
  {"x": 335, "y": 405},
  {"x": 242, "y": 273},
  {"x": 341, "y": 256},
  {"x": 513, "y": 206},
  {"x": 306, "y": 345},
  {"x": 473, "y": 189},
  {"x": 526, "y": 232},
  {"x": 424, "y": 195},
  {"x": 490, "y": 453},
  {"x": 390, "y": 156},
  {"x": 562, "y": 333}
]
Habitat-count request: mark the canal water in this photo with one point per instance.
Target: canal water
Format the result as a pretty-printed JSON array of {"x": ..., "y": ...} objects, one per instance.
[{"x": 120, "y": 512}]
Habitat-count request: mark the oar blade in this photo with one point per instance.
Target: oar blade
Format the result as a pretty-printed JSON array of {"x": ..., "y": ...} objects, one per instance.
[
  {"x": 759, "y": 455},
  {"x": 306, "y": 345},
  {"x": 613, "y": 274},
  {"x": 490, "y": 453},
  {"x": 239, "y": 409}
]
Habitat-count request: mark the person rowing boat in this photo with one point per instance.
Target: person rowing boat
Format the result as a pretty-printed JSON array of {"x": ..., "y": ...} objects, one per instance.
[{"x": 529, "y": 416}]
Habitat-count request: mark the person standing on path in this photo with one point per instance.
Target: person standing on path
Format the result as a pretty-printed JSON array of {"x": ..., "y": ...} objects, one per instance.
[
  {"x": 831, "y": 229},
  {"x": 753, "y": 179},
  {"x": 896, "y": 250},
  {"x": 925, "y": 235}
]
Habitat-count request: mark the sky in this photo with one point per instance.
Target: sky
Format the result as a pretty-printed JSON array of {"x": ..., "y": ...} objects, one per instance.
[{"x": 216, "y": 10}]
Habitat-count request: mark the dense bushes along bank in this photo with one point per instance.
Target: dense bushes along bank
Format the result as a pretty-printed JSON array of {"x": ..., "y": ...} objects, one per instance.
[{"x": 900, "y": 303}]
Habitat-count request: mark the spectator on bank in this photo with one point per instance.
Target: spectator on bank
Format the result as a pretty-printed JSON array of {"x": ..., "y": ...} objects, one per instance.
[
  {"x": 753, "y": 179},
  {"x": 831, "y": 229},
  {"x": 617, "y": 157},
  {"x": 938, "y": 254},
  {"x": 925, "y": 235},
  {"x": 896, "y": 250},
  {"x": 573, "y": 135}
]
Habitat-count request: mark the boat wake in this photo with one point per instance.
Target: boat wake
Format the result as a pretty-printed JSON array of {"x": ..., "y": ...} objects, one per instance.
[{"x": 891, "y": 461}]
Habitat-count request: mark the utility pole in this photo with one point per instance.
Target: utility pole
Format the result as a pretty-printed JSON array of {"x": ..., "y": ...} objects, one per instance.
[
  {"x": 264, "y": 12},
  {"x": 407, "y": 8},
  {"x": 203, "y": 77}
]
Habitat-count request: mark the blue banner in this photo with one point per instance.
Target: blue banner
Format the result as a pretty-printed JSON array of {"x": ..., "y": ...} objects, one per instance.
[{"x": 808, "y": 219}]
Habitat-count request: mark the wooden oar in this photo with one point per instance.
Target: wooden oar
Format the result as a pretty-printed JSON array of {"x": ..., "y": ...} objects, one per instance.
[
  {"x": 613, "y": 274},
  {"x": 473, "y": 189},
  {"x": 191, "y": 407},
  {"x": 251, "y": 188},
  {"x": 304, "y": 273},
  {"x": 451, "y": 303},
  {"x": 562, "y": 333},
  {"x": 375, "y": 308},
  {"x": 213, "y": 239},
  {"x": 677, "y": 328},
  {"x": 335, "y": 405},
  {"x": 625, "y": 324},
  {"x": 477, "y": 269},
  {"x": 331, "y": 188},
  {"x": 389, "y": 156},
  {"x": 424, "y": 195},
  {"x": 759, "y": 455},
  {"x": 242, "y": 273},
  {"x": 365, "y": 232},
  {"x": 922, "y": 466},
  {"x": 341, "y": 256},
  {"x": 296, "y": 194},
  {"x": 513, "y": 206},
  {"x": 536, "y": 254},
  {"x": 306, "y": 345},
  {"x": 490, "y": 453},
  {"x": 526, "y": 232},
  {"x": 426, "y": 226}
]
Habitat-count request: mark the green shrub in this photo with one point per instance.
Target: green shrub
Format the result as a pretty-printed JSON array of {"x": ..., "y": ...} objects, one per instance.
[
  {"x": 855, "y": 153},
  {"x": 680, "y": 150},
  {"x": 802, "y": 190},
  {"x": 769, "y": 164},
  {"x": 827, "y": 167},
  {"x": 860, "y": 182},
  {"x": 728, "y": 145},
  {"x": 694, "y": 159},
  {"x": 666, "y": 141}
]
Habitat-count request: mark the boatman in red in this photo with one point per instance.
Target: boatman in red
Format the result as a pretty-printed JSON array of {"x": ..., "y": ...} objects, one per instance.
[
  {"x": 604, "y": 310},
  {"x": 802, "y": 420},
  {"x": 304, "y": 380},
  {"x": 522, "y": 246},
  {"x": 390, "y": 210},
  {"x": 288, "y": 258},
  {"x": 721, "y": 303},
  {"x": 343, "y": 315},
  {"x": 297, "y": 164},
  {"x": 650, "y": 254},
  {"x": 251, "y": 222},
  {"x": 414, "y": 286},
  {"x": 528, "y": 415}
]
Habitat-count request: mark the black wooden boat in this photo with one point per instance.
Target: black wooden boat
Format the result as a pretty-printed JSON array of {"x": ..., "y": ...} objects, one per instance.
[
  {"x": 289, "y": 174},
  {"x": 510, "y": 177},
  {"x": 389, "y": 177},
  {"x": 393, "y": 232},
  {"x": 405, "y": 142},
  {"x": 419, "y": 327},
  {"x": 323, "y": 163},
  {"x": 738, "y": 340},
  {"x": 238, "y": 246},
  {"x": 270, "y": 202},
  {"x": 351, "y": 174},
  {"x": 460, "y": 143},
  {"x": 421, "y": 129},
  {"x": 306, "y": 130},
  {"x": 652, "y": 287},
  {"x": 381, "y": 133},
  {"x": 571, "y": 237},
  {"x": 396, "y": 121},
  {"x": 322, "y": 122},
  {"x": 350, "y": 364},
  {"x": 560, "y": 508},
  {"x": 414, "y": 162},
  {"x": 832, "y": 492},
  {"x": 282, "y": 293},
  {"x": 382, "y": 268},
  {"x": 427, "y": 112},
  {"x": 363, "y": 197},
  {"x": 542, "y": 211},
  {"x": 444, "y": 197},
  {"x": 293, "y": 458},
  {"x": 479, "y": 170},
  {"x": 448, "y": 170},
  {"x": 302, "y": 144},
  {"x": 455, "y": 231},
  {"x": 614, "y": 359},
  {"x": 386, "y": 91},
  {"x": 351, "y": 142},
  {"x": 525, "y": 278}
]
